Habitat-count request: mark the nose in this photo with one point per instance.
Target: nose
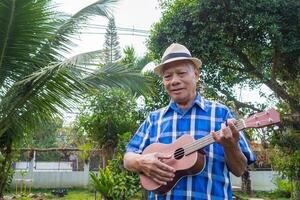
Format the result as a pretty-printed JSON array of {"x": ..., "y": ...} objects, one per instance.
[{"x": 175, "y": 80}]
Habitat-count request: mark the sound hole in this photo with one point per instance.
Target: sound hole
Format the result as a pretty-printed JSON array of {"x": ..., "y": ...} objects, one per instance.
[{"x": 179, "y": 153}]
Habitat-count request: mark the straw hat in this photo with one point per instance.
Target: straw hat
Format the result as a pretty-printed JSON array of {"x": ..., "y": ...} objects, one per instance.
[{"x": 176, "y": 52}]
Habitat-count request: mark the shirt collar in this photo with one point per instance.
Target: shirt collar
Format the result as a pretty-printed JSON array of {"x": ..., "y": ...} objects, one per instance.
[{"x": 197, "y": 101}]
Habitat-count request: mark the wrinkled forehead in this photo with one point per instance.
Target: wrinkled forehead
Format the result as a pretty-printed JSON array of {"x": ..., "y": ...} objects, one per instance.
[{"x": 182, "y": 64}]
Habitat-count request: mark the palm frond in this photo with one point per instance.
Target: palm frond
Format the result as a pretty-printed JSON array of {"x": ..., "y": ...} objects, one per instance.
[
  {"x": 59, "y": 86},
  {"x": 99, "y": 8},
  {"x": 79, "y": 62},
  {"x": 45, "y": 92},
  {"x": 23, "y": 28},
  {"x": 114, "y": 75}
]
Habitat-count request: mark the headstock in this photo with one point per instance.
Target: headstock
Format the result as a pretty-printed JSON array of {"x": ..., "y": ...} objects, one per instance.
[{"x": 262, "y": 119}]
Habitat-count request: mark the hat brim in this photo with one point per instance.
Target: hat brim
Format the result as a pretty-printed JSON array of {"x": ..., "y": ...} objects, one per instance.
[{"x": 158, "y": 69}]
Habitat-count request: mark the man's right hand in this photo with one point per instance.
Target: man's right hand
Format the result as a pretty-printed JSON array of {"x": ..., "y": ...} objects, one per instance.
[{"x": 151, "y": 165}]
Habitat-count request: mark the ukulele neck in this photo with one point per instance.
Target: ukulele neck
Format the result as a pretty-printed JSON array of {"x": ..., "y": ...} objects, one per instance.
[{"x": 207, "y": 140}]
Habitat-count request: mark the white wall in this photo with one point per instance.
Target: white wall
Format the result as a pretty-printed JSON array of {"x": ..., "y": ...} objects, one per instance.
[
  {"x": 52, "y": 179},
  {"x": 260, "y": 180}
]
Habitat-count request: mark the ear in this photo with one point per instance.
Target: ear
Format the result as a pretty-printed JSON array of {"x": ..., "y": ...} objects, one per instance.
[{"x": 197, "y": 74}]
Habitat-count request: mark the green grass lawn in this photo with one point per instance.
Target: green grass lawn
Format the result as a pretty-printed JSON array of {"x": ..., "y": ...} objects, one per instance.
[
  {"x": 72, "y": 194},
  {"x": 79, "y": 195},
  {"x": 262, "y": 195},
  {"x": 85, "y": 194}
]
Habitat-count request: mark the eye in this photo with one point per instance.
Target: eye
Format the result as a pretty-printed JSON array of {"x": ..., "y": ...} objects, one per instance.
[
  {"x": 167, "y": 76},
  {"x": 182, "y": 73}
]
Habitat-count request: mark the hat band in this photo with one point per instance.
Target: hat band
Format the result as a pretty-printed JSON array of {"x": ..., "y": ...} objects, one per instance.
[{"x": 174, "y": 55}]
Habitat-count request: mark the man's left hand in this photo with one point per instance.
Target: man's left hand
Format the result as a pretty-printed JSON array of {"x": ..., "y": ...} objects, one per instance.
[{"x": 228, "y": 136}]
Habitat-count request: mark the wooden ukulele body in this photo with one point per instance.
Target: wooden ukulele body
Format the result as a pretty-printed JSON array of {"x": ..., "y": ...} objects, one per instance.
[{"x": 187, "y": 165}]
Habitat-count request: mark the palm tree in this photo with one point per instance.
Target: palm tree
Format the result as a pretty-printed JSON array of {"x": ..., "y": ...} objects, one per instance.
[{"x": 37, "y": 82}]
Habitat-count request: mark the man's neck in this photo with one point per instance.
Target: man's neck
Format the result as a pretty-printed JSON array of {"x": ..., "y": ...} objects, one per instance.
[{"x": 186, "y": 105}]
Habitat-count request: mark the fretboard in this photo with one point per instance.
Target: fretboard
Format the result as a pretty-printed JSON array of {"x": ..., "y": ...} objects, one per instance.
[{"x": 207, "y": 140}]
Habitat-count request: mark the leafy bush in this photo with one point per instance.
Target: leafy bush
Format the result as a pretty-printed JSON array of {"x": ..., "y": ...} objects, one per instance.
[
  {"x": 103, "y": 182},
  {"x": 284, "y": 187},
  {"x": 115, "y": 182},
  {"x": 126, "y": 183},
  {"x": 10, "y": 176}
]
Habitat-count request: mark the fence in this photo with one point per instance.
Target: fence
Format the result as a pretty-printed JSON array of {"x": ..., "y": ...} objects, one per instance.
[{"x": 260, "y": 180}]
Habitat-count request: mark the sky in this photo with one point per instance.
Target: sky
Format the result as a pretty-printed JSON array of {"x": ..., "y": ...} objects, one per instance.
[{"x": 132, "y": 14}]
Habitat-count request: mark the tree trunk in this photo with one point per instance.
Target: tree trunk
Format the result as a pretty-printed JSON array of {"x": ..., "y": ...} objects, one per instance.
[
  {"x": 246, "y": 182},
  {"x": 107, "y": 154},
  {"x": 5, "y": 168},
  {"x": 103, "y": 159}
]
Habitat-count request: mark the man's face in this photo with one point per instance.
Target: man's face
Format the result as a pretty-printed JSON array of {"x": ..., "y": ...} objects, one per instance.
[{"x": 179, "y": 79}]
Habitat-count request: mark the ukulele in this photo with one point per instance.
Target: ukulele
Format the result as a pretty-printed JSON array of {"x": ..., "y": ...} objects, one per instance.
[{"x": 187, "y": 157}]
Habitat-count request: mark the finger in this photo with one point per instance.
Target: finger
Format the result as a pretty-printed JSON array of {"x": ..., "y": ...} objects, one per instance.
[
  {"x": 223, "y": 130},
  {"x": 159, "y": 181},
  {"x": 216, "y": 136},
  {"x": 165, "y": 167},
  {"x": 163, "y": 156},
  {"x": 227, "y": 134},
  {"x": 162, "y": 176},
  {"x": 166, "y": 173},
  {"x": 223, "y": 126},
  {"x": 233, "y": 130},
  {"x": 229, "y": 130},
  {"x": 231, "y": 120},
  {"x": 232, "y": 127}
]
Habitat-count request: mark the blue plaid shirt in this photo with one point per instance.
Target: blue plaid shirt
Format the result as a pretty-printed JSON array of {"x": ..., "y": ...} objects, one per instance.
[{"x": 168, "y": 124}]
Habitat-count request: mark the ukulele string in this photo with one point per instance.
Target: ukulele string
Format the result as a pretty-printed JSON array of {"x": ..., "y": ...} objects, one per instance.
[
  {"x": 186, "y": 149},
  {"x": 180, "y": 152},
  {"x": 195, "y": 145}
]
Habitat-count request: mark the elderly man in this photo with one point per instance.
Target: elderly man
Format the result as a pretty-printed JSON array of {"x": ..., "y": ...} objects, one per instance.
[{"x": 188, "y": 113}]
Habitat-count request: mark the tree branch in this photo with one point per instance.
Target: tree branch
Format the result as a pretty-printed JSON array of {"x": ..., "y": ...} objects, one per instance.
[
  {"x": 272, "y": 84},
  {"x": 238, "y": 104}
]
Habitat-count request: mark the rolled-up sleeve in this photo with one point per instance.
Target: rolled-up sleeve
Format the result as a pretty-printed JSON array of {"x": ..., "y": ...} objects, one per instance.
[
  {"x": 246, "y": 149},
  {"x": 140, "y": 140}
]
